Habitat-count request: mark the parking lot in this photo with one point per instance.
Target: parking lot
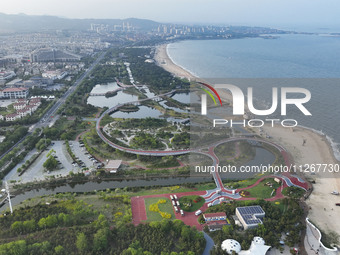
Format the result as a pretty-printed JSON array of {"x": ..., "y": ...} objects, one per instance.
[
  {"x": 36, "y": 171},
  {"x": 81, "y": 153}
]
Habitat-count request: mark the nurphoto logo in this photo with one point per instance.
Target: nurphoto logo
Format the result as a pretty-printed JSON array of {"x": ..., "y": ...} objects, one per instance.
[{"x": 238, "y": 104}]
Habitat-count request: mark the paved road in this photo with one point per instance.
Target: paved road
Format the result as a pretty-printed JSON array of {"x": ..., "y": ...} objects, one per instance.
[
  {"x": 209, "y": 245},
  {"x": 50, "y": 116}
]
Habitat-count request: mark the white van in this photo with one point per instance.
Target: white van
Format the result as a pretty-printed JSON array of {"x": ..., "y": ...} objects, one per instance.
[
  {"x": 177, "y": 203},
  {"x": 182, "y": 213},
  {"x": 176, "y": 209},
  {"x": 171, "y": 197},
  {"x": 198, "y": 212},
  {"x": 175, "y": 197},
  {"x": 173, "y": 203}
]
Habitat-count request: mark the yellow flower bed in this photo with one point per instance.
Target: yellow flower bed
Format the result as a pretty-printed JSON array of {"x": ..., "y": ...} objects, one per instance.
[
  {"x": 174, "y": 187},
  {"x": 155, "y": 208},
  {"x": 118, "y": 214}
]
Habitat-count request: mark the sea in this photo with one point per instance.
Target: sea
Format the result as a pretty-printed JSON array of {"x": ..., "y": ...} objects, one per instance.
[{"x": 310, "y": 61}]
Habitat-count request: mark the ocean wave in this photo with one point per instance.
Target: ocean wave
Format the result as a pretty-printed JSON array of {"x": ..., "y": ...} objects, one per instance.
[
  {"x": 169, "y": 56},
  {"x": 330, "y": 140}
]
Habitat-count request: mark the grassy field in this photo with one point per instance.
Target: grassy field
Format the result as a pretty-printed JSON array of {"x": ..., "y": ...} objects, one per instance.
[
  {"x": 109, "y": 206},
  {"x": 171, "y": 189},
  {"x": 155, "y": 216},
  {"x": 294, "y": 192},
  {"x": 194, "y": 206},
  {"x": 281, "y": 204},
  {"x": 262, "y": 190},
  {"x": 242, "y": 183}
]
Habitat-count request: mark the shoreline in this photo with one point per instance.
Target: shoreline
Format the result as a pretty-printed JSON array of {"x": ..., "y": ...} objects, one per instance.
[
  {"x": 318, "y": 149},
  {"x": 163, "y": 60}
]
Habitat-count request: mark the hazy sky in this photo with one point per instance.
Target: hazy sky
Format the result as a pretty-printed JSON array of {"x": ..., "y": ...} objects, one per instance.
[{"x": 249, "y": 12}]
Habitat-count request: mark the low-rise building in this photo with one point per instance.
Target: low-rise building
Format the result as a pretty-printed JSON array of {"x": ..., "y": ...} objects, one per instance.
[
  {"x": 215, "y": 221},
  {"x": 14, "y": 83},
  {"x": 214, "y": 216},
  {"x": 19, "y": 105},
  {"x": 24, "y": 112},
  {"x": 250, "y": 216},
  {"x": 35, "y": 101},
  {"x": 14, "y": 93},
  {"x": 12, "y": 117},
  {"x": 112, "y": 166},
  {"x": 54, "y": 75},
  {"x": 31, "y": 108},
  {"x": 6, "y": 75}
]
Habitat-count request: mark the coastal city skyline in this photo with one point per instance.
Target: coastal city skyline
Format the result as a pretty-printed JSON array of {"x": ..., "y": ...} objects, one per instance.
[{"x": 302, "y": 13}]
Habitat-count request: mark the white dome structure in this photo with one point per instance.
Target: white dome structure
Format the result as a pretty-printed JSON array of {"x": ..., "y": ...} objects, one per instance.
[
  {"x": 259, "y": 240},
  {"x": 230, "y": 245},
  {"x": 257, "y": 247}
]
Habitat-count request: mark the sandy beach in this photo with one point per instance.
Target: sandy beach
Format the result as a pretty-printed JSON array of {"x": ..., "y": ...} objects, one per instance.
[
  {"x": 315, "y": 150},
  {"x": 163, "y": 60}
]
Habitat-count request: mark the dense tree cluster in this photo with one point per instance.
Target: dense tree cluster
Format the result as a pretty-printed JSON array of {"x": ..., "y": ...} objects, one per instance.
[
  {"x": 70, "y": 226},
  {"x": 11, "y": 159},
  {"x": 12, "y": 136},
  {"x": 146, "y": 141},
  {"x": 274, "y": 224},
  {"x": 65, "y": 129},
  {"x": 181, "y": 140},
  {"x": 145, "y": 123},
  {"x": 150, "y": 73},
  {"x": 165, "y": 237}
]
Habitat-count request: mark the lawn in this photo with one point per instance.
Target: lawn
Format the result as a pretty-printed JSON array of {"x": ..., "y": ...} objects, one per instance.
[
  {"x": 170, "y": 189},
  {"x": 294, "y": 192},
  {"x": 109, "y": 206},
  {"x": 194, "y": 206},
  {"x": 262, "y": 190},
  {"x": 155, "y": 216},
  {"x": 241, "y": 184},
  {"x": 281, "y": 204}
]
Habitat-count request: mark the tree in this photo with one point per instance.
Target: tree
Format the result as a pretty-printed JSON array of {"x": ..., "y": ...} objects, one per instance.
[
  {"x": 17, "y": 227},
  {"x": 51, "y": 221},
  {"x": 81, "y": 243},
  {"x": 101, "y": 222},
  {"x": 59, "y": 249},
  {"x": 29, "y": 225},
  {"x": 100, "y": 239},
  {"x": 51, "y": 163},
  {"x": 42, "y": 223}
]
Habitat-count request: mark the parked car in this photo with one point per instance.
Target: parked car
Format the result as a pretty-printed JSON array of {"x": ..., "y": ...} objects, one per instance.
[
  {"x": 182, "y": 213},
  {"x": 198, "y": 212}
]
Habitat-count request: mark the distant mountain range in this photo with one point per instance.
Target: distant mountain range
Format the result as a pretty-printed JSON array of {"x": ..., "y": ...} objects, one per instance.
[{"x": 10, "y": 23}]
